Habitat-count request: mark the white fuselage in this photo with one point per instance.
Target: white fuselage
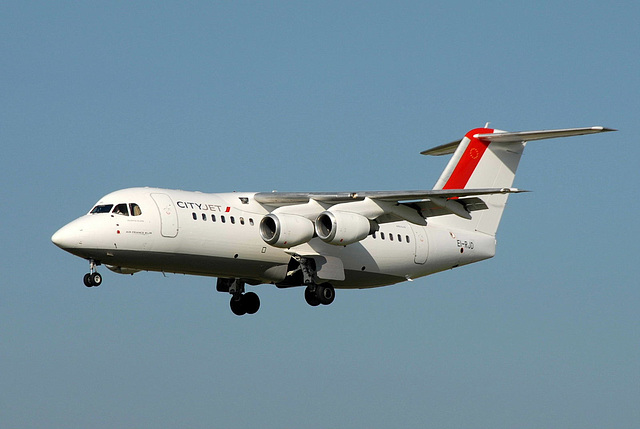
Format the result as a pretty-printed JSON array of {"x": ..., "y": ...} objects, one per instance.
[{"x": 218, "y": 235}]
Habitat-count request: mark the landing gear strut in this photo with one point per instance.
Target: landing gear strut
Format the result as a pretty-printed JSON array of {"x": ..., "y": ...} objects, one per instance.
[
  {"x": 92, "y": 278},
  {"x": 241, "y": 303}
]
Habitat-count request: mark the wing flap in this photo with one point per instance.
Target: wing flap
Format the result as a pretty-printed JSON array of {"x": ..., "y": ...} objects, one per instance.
[{"x": 429, "y": 209}]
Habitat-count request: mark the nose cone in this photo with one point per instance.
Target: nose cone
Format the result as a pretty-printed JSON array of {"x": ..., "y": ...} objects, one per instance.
[
  {"x": 72, "y": 235},
  {"x": 66, "y": 237}
]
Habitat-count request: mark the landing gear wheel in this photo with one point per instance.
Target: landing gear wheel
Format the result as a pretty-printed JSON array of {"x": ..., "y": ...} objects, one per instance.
[
  {"x": 237, "y": 305},
  {"x": 96, "y": 279},
  {"x": 92, "y": 279},
  {"x": 87, "y": 280},
  {"x": 311, "y": 297},
  {"x": 325, "y": 293},
  {"x": 251, "y": 302}
]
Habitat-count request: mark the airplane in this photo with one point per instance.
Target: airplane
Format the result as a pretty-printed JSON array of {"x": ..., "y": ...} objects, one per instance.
[{"x": 320, "y": 240}]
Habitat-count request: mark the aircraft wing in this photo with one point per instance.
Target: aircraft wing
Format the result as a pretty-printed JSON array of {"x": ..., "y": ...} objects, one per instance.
[
  {"x": 285, "y": 198},
  {"x": 383, "y": 206}
]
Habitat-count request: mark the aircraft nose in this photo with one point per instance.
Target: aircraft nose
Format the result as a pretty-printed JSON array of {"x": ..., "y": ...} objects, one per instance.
[
  {"x": 68, "y": 237},
  {"x": 63, "y": 238}
]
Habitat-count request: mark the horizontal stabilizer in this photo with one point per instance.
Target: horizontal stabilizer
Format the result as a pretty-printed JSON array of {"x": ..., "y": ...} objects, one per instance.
[
  {"x": 506, "y": 137},
  {"x": 443, "y": 149},
  {"x": 524, "y": 136}
]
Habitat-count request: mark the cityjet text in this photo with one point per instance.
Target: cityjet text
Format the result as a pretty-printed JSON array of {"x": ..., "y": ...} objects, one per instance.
[{"x": 203, "y": 207}]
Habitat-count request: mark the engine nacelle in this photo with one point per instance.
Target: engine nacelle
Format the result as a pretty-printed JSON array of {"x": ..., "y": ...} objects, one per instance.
[
  {"x": 342, "y": 228},
  {"x": 285, "y": 230}
]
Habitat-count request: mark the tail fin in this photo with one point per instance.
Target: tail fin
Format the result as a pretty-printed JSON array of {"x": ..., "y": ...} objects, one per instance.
[{"x": 488, "y": 158}]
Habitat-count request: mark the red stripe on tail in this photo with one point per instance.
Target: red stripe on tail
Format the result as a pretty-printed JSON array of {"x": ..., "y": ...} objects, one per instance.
[{"x": 469, "y": 160}]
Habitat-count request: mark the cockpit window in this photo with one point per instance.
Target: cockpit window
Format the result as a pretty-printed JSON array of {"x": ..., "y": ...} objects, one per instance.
[
  {"x": 135, "y": 209},
  {"x": 103, "y": 208},
  {"x": 121, "y": 209}
]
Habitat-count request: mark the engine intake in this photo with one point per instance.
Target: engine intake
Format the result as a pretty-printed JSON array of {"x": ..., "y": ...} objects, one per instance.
[
  {"x": 342, "y": 228},
  {"x": 285, "y": 230}
]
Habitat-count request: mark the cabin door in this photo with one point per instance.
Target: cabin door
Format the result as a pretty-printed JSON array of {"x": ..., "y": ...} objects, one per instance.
[{"x": 168, "y": 215}]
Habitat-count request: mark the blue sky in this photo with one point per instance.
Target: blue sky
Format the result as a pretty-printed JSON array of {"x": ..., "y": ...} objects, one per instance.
[{"x": 294, "y": 96}]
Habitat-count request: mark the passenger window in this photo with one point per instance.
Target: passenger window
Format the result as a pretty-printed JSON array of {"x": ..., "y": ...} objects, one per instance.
[
  {"x": 135, "y": 209},
  {"x": 195, "y": 216},
  {"x": 373, "y": 235},
  {"x": 204, "y": 216},
  {"x": 104, "y": 208},
  {"x": 399, "y": 238},
  {"x": 233, "y": 219},
  {"x": 382, "y": 235},
  {"x": 241, "y": 221},
  {"x": 121, "y": 209},
  {"x": 390, "y": 237},
  {"x": 408, "y": 241},
  {"x": 223, "y": 219},
  {"x": 213, "y": 218},
  {"x": 251, "y": 221}
]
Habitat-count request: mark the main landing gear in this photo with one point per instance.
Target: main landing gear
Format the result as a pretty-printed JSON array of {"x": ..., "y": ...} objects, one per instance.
[
  {"x": 314, "y": 294},
  {"x": 241, "y": 303},
  {"x": 302, "y": 273},
  {"x": 92, "y": 278}
]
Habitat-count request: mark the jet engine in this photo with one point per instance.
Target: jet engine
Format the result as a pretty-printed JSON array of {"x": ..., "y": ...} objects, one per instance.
[
  {"x": 342, "y": 228},
  {"x": 285, "y": 230}
]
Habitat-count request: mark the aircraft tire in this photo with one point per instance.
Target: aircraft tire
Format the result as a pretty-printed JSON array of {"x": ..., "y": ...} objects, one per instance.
[
  {"x": 251, "y": 302},
  {"x": 238, "y": 306},
  {"x": 311, "y": 297},
  {"x": 325, "y": 293},
  {"x": 96, "y": 279},
  {"x": 87, "y": 280}
]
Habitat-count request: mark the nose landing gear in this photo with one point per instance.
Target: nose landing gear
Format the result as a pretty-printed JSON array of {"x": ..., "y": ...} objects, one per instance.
[{"x": 92, "y": 278}]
